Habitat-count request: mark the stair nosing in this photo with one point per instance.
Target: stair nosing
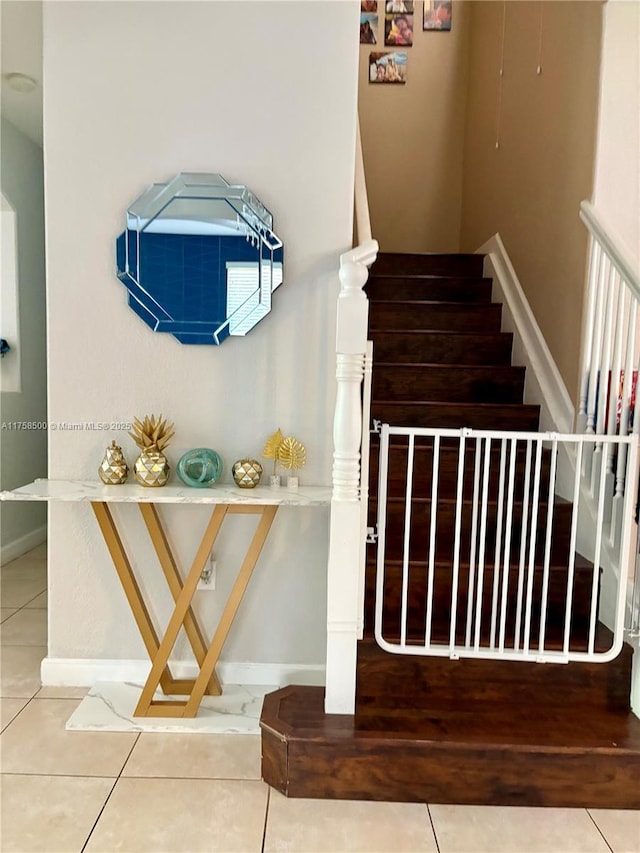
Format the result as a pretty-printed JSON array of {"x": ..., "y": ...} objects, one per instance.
[
  {"x": 450, "y": 366},
  {"x": 457, "y": 305},
  {"x": 448, "y": 332},
  {"x": 428, "y": 276},
  {"x": 449, "y": 403}
]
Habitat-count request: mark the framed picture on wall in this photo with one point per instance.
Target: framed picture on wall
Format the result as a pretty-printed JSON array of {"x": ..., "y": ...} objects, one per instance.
[
  {"x": 369, "y": 6},
  {"x": 437, "y": 15},
  {"x": 398, "y": 30},
  {"x": 368, "y": 27},
  {"x": 398, "y": 7},
  {"x": 388, "y": 67}
]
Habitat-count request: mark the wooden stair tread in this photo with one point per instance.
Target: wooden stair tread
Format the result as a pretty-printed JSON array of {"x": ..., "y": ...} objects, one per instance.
[
  {"x": 416, "y": 303},
  {"x": 418, "y": 277},
  {"x": 470, "y": 336},
  {"x": 516, "y": 416},
  {"x": 427, "y": 315},
  {"x": 455, "y": 289},
  {"x": 451, "y": 367},
  {"x": 397, "y": 263},
  {"x": 463, "y": 406}
]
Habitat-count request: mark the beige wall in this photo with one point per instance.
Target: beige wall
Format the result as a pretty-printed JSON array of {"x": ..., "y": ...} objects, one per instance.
[
  {"x": 529, "y": 189},
  {"x": 412, "y": 138},
  {"x": 203, "y": 110},
  {"x": 617, "y": 183}
]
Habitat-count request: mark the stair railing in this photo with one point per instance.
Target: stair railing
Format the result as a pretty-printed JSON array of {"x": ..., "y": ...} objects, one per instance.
[
  {"x": 496, "y": 574},
  {"x": 347, "y": 527},
  {"x": 610, "y": 362}
]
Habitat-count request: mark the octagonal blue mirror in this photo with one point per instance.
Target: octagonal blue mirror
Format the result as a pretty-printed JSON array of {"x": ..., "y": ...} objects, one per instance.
[{"x": 199, "y": 258}]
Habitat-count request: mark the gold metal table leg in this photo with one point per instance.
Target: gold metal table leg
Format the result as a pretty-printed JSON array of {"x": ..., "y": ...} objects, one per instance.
[
  {"x": 146, "y": 707},
  {"x": 231, "y": 608},
  {"x": 174, "y": 581},
  {"x": 182, "y": 616},
  {"x": 132, "y": 591}
]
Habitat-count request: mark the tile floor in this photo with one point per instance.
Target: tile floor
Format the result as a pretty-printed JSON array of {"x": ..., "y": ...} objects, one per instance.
[{"x": 104, "y": 792}]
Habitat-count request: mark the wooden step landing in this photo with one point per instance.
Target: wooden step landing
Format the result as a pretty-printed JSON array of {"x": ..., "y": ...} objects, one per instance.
[{"x": 520, "y": 754}]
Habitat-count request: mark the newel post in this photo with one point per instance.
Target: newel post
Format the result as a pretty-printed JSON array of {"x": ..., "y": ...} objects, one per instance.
[{"x": 345, "y": 524}]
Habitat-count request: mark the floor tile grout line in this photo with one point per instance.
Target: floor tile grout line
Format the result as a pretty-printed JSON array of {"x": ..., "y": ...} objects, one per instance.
[
  {"x": 24, "y": 606},
  {"x": 55, "y": 775},
  {"x": 604, "y": 838},
  {"x": 13, "y": 719},
  {"x": 95, "y": 823},
  {"x": 180, "y": 778},
  {"x": 266, "y": 819},
  {"x": 433, "y": 828},
  {"x": 113, "y": 787}
]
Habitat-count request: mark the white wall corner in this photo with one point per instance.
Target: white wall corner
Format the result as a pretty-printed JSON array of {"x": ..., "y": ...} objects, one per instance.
[{"x": 12, "y": 550}]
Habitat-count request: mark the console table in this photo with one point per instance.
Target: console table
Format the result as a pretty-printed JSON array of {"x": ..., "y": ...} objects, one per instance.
[{"x": 225, "y": 500}]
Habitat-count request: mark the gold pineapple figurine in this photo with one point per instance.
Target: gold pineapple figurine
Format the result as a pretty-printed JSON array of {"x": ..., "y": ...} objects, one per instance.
[{"x": 152, "y": 435}]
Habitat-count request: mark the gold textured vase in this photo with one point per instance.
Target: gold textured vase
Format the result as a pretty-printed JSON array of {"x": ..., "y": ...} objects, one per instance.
[
  {"x": 113, "y": 470},
  {"x": 247, "y": 473},
  {"x": 151, "y": 468}
]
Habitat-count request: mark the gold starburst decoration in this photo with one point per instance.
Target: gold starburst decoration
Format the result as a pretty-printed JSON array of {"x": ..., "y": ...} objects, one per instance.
[
  {"x": 292, "y": 454},
  {"x": 272, "y": 447},
  {"x": 152, "y": 433}
]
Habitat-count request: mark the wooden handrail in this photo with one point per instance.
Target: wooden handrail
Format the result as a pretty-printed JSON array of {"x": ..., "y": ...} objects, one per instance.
[{"x": 363, "y": 221}]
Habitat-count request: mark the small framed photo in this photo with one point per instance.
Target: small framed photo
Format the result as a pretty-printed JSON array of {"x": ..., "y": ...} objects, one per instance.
[
  {"x": 388, "y": 67},
  {"x": 398, "y": 30},
  {"x": 437, "y": 15},
  {"x": 398, "y": 7},
  {"x": 369, "y": 6},
  {"x": 368, "y": 26}
]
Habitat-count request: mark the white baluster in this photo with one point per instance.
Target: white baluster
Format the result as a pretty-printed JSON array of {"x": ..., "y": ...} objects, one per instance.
[
  {"x": 435, "y": 474},
  {"x": 595, "y": 375},
  {"x": 625, "y": 414},
  {"x": 595, "y": 259},
  {"x": 612, "y": 416},
  {"x": 607, "y": 381}
]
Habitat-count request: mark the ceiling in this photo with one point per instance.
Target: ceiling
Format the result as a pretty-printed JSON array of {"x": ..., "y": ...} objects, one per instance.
[{"x": 21, "y": 37}]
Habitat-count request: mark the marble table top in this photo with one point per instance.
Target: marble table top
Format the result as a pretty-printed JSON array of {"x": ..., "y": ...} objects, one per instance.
[{"x": 79, "y": 491}]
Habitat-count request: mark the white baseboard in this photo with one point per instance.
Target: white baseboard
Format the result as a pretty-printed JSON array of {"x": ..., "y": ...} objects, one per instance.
[
  {"x": 544, "y": 386},
  {"x": 82, "y": 672},
  {"x": 12, "y": 550}
]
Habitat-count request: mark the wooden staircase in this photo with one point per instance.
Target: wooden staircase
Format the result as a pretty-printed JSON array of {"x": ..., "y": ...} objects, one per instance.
[{"x": 429, "y": 728}]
